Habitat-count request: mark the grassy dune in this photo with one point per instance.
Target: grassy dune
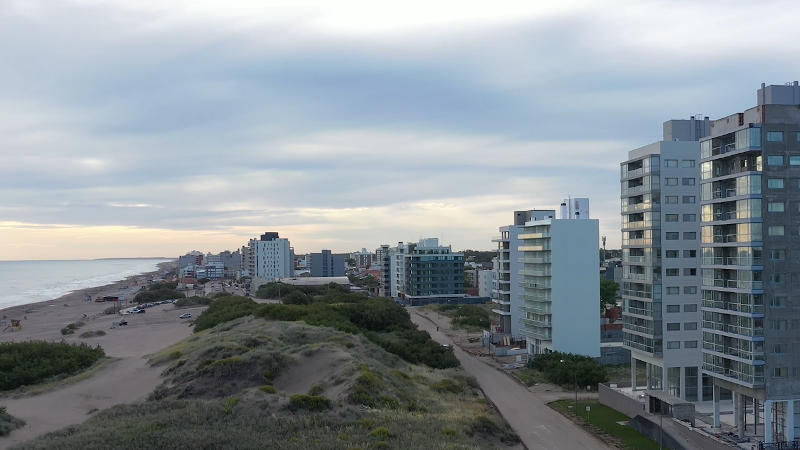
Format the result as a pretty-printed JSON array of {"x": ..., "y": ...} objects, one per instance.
[{"x": 255, "y": 383}]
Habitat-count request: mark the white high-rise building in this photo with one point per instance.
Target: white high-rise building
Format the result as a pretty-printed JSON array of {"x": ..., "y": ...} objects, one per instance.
[
  {"x": 660, "y": 197},
  {"x": 272, "y": 258}
]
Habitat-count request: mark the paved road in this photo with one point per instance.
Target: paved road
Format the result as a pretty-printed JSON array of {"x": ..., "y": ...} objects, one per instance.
[{"x": 539, "y": 426}]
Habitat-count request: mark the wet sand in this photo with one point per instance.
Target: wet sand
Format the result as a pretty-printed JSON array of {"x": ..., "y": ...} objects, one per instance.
[{"x": 126, "y": 379}]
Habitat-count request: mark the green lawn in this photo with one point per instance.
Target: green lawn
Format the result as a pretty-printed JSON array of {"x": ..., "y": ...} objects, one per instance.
[{"x": 603, "y": 420}]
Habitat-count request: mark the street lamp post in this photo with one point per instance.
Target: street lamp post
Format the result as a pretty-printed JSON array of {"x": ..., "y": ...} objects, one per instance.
[{"x": 575, "y": 380}]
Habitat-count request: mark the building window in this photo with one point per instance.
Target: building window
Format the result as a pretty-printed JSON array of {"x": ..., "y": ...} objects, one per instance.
[
  {"x": 690, "y": 307},
  {"x": 690, "y": 217},
  {"x": 669, "y": 181},
  {"x": 674, "y": 326},
  {"x": 775, "y": 160},
  {"x": 776, "y": 278},
  {"x": 775, "y": 324},
  {"x": 688, "y": 181},
  {"x": 776, "y": 230},
  {"x": 673, "y": 345},
  {"x": 794, "y": 160},
  {"x": 673, "y": 308},
  {"x": 775, "y": 207},
  {"x": 687, "y": 163},
  {"x": 672, "y": 235},
  {"x": 671, "y": 253},
  {"x": 673, "y": 272},
  {"x": 671, "y": 199},
  {"x": 775, "y": 183},
  {"x": 689, "y": 235},
  {"x": 690, "y": 272},
  {"x": 671, "y": 217},
  {"x": 690, "y": 326},
  {"x": 670, "y": 163},
  {"x": 774, "y": 136},
  {"x": 778, "y": 301},
  {"x": 689, "y": 199},
  {"x": 780, "y": 348},
  {"x": 690, "y": 253},
  {"x": 673, "y": 291},
  {"x": 779, "y": 372},
  {"x": 690, "y": 344},
  {"x": 777, "y": 255},
  {"x": 690, "y": 290}
]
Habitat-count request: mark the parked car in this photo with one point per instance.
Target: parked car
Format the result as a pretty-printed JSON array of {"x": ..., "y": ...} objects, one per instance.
[
  {"x": 122, "y": 323},
  {"x": 138, "y": 311},
  {"x": 185, "y": 316}
]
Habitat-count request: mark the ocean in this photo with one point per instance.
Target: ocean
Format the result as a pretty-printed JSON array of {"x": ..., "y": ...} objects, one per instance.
[{"x": 23, "y": 282}]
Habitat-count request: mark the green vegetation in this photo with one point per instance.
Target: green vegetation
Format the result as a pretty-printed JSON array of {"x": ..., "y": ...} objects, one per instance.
[
  {"x": 604, "y": 421},
  {"x": 479, "y": 256},
  {"x": 70, "y": 329},
  {"x": 470, "y": 317},
  {"x": 111, "y": 310},
  {"x": 574, "y": 368},
  {"x": 8, "y": 423},
  {"x": 195, "y": 301},
  {"x": 214, "y": 395},
  {"x": 158, "y": 292},
  {"x": 91, "y": 334},
  {"x": 381, "y": 320},
  {"x": 308, "y": 402},
  {"x": 529, "y": 376},
  {"x": 27, "y": 363},
  {"x": 608, "y": 293},
  {"x": 281, "y": 290}
]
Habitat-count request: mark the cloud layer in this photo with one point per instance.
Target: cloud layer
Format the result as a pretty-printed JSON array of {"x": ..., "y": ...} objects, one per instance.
[{"x": 346, "y": 126}]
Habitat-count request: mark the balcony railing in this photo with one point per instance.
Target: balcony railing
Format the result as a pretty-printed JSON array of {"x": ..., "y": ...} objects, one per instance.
[
  {"x": 535, "y": 273},
  {"x": 534, "y": 260},
  {"x": 733, "y": 284},
  {"x": 530, "y": 285},
  {"x": 639, "y": 311},
  {"x": 734, "y": 351},
  {"x": 640, "y": 328},
  {"x": 738, "y": 307},
  {"x": 533, "y": 236},
  {"x": 636, "y": 293},
  {"x": 638, "y": 207},
  {"x": 732, "y": 261},
  {"x": 741, "y": 376},
  {"x": 543, "y": 308},
  {"x": 733, "y": 329}
]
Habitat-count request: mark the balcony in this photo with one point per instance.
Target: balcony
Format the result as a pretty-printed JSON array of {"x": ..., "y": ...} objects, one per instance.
[
  {"x": 732, "y": 261},
  {"x": 543, "y": 308},
  {"x": 536, "y": 323},
  {"x": 734, "y": 375},
  {"x": 500, "y": 312},
  {"x": 734, "y": 351},
  {"x": 745, "y": 308},
  {"x": 532, "y": 285},
  {"x": 709, "y": 325},
  {"x": 534, "y": 260},
  {"x": 536, "y": 273},
  {"x": 633, "y": 207},
  {"x": 647, "y": 312},
  {"x": 500, "y": 301},
  {"x": 639, "y": 328},
  {"x": 641, "y": 260},
  {"x": 648, "y": 295},
  {"x": 734, "y": 284},
  {"x": 534, "y": 236}
]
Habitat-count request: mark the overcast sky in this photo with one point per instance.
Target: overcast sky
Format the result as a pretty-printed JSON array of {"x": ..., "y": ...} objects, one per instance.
[{"x": 150, "y": 127}]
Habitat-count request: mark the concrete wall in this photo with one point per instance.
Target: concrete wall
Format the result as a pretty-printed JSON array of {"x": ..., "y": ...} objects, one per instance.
[
  {"x": 618, "y": 401},
  {"x": 575, "y": 286}
]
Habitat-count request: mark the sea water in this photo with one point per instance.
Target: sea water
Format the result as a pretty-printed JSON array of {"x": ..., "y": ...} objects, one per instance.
[{"x": 23, "y": 282}]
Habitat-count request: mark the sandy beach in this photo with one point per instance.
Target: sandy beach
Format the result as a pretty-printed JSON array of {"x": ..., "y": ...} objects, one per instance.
[{"x": 126, "y": 378}]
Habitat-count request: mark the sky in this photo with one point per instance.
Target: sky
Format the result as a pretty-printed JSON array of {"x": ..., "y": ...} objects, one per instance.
[{"x": 151, "y": 128}]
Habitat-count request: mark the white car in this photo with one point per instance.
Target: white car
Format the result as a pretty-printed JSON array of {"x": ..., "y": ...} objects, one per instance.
[{"x": 185, "y": 316}]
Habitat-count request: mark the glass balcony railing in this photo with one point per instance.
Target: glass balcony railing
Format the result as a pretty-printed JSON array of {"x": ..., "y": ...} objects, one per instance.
[
  {"x": 633, "y": 207},
  {"x": 532, "y": 285},
  {"x": 534, "y": 260},
  {"x": 734, "y": 351},
  {"x": 733, "y": 284},
  {"x": 733, "y": 329},
  {"x": 731, "y": 306},
  {"x": 732, "y": 261},
  {"x": 737, "y": 375}
]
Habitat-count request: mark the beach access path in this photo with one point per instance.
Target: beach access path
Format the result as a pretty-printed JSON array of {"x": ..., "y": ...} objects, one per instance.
[
  {"x": 537, "y": 425},
  {"x": 126, "y": 378}
]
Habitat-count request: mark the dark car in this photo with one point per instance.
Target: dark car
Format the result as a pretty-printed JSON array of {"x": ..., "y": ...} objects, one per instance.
[{"x": 122, "y": 323}]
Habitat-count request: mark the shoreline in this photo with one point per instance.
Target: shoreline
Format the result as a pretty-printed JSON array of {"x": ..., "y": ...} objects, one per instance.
[{"x": 78, "y": 296}]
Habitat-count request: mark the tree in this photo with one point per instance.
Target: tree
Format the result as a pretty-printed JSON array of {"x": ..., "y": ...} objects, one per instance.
[{"x": 608, "y": 293}]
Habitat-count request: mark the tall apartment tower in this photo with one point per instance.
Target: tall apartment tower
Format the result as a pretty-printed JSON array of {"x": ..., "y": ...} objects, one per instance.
[
  {"x": 506, "y": 293},
  {"x": 326, "y": 264},
  {"x": 660, "y": 201},
  {"x": 750, "y": 175},
  {"x": 272, "y": 258},
  {"x": 560, "y": 281},
  {"x": 424, "y": 272}
]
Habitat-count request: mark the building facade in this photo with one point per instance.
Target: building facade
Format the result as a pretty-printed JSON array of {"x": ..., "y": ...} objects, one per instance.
[
  {"x": 485, "y": 282},
  {"x": 750, "y": 175},
  {"x": 326, "y": 264},
  {"x": 423, "y": 271},
  {"x": 272, "y": 258},
  {"x": 660, "y": 197}
]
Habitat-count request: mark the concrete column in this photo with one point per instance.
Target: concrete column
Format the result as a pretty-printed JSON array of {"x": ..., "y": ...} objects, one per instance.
[
  {"x": 633, "y": 373},
  {"x": 716, "y": 406},
  {"x": 768, "y": 421},
  {"x": 790, "y": 420},
  {"x": 755, "y": 416},
  {"x": 740, "y": 416},
  {"x": 682, "y": 383},
  {"x": 734, "y": 398},
  {"x": 647, "y": 370}
]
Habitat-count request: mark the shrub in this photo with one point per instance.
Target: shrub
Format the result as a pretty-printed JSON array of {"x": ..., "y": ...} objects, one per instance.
[
  {"x": 27, "y": 363},
  {"x": 158, "y": 292},
  {"x": 194, "y": 300},
  {"x": 90, "y": 334},
  {"x": 70, "y": 329},
  {"x": 381, "y": 433},
  {"x": 309, "y": 402},
  {"x": 268, "y": 389},
  {"x": 296, "y": 298},
  {"x": 111, "y": 310},
  {"x": 575, "y": 368},
  {"x": 8, "y": 423},
  {"x": 224, "y": 310},
  {"x": 447, "y": 385}
]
